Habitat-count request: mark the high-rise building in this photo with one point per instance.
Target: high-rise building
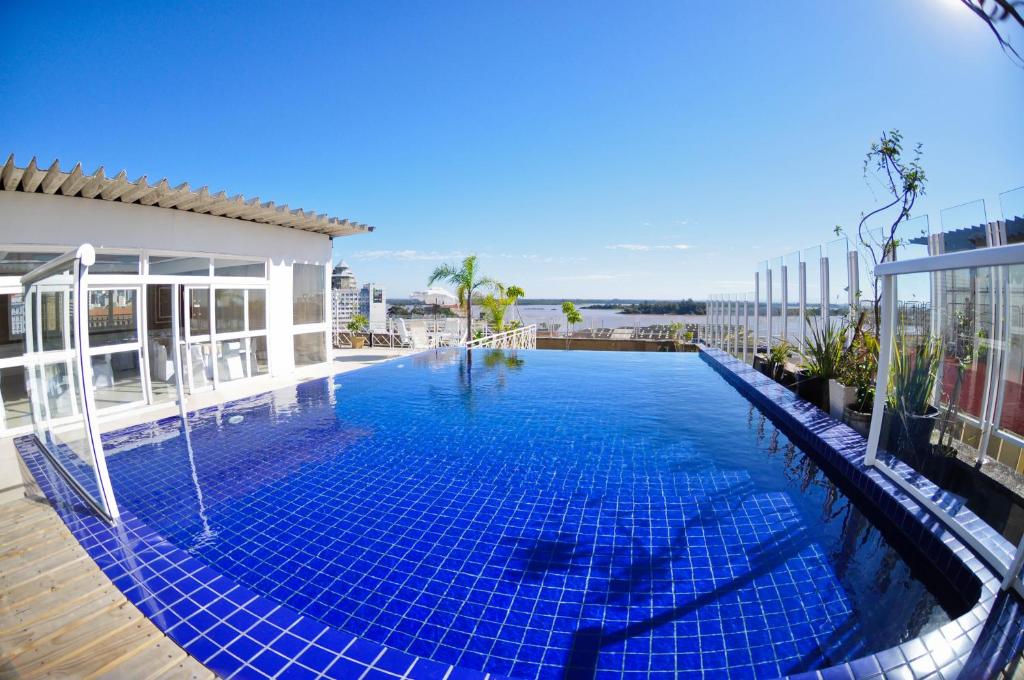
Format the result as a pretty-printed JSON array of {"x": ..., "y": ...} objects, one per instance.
[
  {"x": 344, "y": 296},
  {"x": 373, "y": 304}
]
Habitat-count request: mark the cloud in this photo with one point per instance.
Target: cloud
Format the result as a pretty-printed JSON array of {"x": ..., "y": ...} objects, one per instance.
[
  {"x": 405, "y": 255},
  {"x": 642, "y": 247},
  {"x": 589, "y": 277}
]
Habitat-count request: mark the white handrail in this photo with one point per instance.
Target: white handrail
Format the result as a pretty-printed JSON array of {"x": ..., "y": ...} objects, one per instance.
[{"x": 517, "y": 338}]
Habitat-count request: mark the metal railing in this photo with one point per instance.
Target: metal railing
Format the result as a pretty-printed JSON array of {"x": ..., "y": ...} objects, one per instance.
[
  {"x": 995, "y": 263},
  {"x": 61, "y": 377},
  {"x": 524, "y": 337}
]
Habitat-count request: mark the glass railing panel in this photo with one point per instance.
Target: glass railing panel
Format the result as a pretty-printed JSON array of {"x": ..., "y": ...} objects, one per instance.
[
  {"x": 792, "y": 311},
  {"x": 812, "y": 292},
  {"x": 1007, "y": 446},
  {"x": 941, "y": 385},
  {"x": 912, "y": 238},
  {"x": 58, "y": 406},
  {"x": 1011, "y": 203},
  {"x": 837, "y": 252},
  {"x": 964, "y": 227},
  {"x": 762, "y": 308},
  {"x": 775, "y": 302}
]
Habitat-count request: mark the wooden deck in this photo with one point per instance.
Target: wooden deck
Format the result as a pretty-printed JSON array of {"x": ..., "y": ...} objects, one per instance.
[{"x": 61, "y": 617}]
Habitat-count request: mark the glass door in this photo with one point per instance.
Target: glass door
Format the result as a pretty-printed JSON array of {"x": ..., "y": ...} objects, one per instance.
[
  {"x": 115, "y": 346},
  {"x": 196, "y": 347}
]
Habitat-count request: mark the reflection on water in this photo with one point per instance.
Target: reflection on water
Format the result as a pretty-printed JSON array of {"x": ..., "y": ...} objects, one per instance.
[{"x": 531, "y": 513}]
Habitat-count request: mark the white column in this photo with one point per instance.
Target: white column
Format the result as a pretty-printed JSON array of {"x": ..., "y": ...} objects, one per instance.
[
  {"x": 884, "y": 359},
  {"x": 802, "y": 287},
  {"x": 784, "y": 283}
]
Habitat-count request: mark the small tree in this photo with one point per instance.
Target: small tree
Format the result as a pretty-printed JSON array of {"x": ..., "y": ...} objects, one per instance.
[
  {"x": 904, "y": 182},
  {"x": 572, "y": 317},
  {"x": 466, "y": 283},
  {"x": 357, "y": 323},
  {"x": 498, "y": 302}
]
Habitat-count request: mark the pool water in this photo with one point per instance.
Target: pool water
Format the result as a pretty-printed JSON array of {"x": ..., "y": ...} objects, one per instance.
[{"x": 535, "y": 514}]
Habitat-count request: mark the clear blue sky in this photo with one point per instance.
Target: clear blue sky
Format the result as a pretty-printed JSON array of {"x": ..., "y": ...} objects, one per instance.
[{"x": 540, "y": 135}]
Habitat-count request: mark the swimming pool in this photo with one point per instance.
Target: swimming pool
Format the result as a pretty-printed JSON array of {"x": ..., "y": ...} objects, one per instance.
[{"x": 535, "y": 514}]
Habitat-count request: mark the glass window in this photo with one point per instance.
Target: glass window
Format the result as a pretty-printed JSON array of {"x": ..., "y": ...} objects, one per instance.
[
  {"x": 115, "y": 264},
  {"x": 199, "y": 311},
  {"x": 14, "y": 392},
  {"x": 160, "y": 265},
  {"x": 113, "y": 316},
  {"x": 258, "y": 364},
  {"x": 230, "y": 310},
  {"x": 308, "y": 284},
  {"x": 18, "y": 264},
  {"x": 257, "y": 309},
  {"x": 310, "y": 348},
  {"x": 116, "y": 378},
  {"x": 226, "y": 267},
  {"x": 56, "y": 329},
  {"x": 231, "y": 359},
  {"x": 12, "y": 326}
]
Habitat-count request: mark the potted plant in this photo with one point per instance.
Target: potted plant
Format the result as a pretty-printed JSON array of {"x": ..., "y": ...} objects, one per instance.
[
  {"x": 356, "y": 325},
  {"x": 777, "y": 358},
  {"x": 822, "y": 354},
  {"x": 858, "y": 371},
  {"x": 909, "y": 415}
]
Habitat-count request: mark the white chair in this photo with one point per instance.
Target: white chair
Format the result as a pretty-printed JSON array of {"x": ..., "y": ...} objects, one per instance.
[
  {"x": 230, "y": 365},
  {"x": 102, "y": 371},
  {"x": 202, "y": 373},
  {"x": 160, "y": 366}
]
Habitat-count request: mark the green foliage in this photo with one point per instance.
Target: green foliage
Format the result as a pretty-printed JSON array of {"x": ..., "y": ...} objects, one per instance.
[
  {"x": 912, "y": 375},
  {"x": 572, "y": 315},
  {"x": 358, "y": 323},
  {"x": 675, "y": 329},
  {"x": 824, "y": 348},
  {"x": 859, "y": 367},
  {"x": 779, "y": 353},
  {"x": 466, "y": 282},
  {"x": 497, "y": 303}
]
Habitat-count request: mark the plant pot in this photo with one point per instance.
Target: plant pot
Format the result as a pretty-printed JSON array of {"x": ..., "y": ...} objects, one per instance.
[
  {"x": 860, "y": 421},
  {"x": 839, "y": 395},
  {"x": 358, "y": 342},
  {"x": 812, "y": 388},
  {"x": 776, "y": 371},
  {"x": 909, "y": 435},
  {"x": 762, "y": 365}
]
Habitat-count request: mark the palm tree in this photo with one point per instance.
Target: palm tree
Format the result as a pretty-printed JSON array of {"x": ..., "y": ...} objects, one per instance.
[
  {"x": 572, "y": 317},
  {"x": 466, "y": 283},
  {"x": 498, "y": 302}
]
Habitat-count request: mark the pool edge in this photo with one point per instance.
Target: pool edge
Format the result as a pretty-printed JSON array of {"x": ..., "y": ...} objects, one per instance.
[{"x": 969, "y": 644}]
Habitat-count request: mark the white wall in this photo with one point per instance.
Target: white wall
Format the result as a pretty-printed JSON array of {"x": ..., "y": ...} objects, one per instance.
[
  {"x": 44, "y": 220},
  {"x": 61, "y": 220}
]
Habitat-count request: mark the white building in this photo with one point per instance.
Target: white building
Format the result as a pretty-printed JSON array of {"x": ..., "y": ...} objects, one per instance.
[
  {"x": 344, "y": 296},
  {"x": 373, "y": 304},
  {"x": 251, "y": 277}
]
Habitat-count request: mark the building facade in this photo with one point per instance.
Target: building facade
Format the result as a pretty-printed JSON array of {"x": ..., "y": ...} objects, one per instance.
[
  {"x": 344, "y": 296},
  {"x": 373, "y": 304},
  {"x": 251, "y": 279}
]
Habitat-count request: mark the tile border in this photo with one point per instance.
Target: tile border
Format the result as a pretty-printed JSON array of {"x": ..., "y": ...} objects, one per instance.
[{"x": 944, "y": 653}]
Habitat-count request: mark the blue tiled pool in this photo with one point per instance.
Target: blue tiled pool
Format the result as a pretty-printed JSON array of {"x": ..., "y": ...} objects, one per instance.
[{"x": 537, "y": 514}]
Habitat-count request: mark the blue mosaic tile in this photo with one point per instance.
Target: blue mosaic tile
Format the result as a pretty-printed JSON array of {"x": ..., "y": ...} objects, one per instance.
[{"x": 742, "y": 599}]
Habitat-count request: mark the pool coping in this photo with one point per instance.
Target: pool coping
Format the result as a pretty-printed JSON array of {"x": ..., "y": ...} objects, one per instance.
[
  {"x": 965, "y": 642},
  {"x": 237, "y": 633}
]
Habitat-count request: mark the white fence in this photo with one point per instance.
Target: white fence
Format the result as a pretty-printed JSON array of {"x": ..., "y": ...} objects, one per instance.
[{"x": 517, "y": 338}]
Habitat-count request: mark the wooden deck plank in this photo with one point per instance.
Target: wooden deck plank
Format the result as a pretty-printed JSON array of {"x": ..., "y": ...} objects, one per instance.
[{"x": 61, "y": 617}]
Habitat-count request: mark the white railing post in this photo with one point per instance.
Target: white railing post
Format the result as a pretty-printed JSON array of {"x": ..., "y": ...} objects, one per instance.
[
  {"x": 853, "y": 281},
  {"x": 826, "y": 296},
  {"x": 757, "y": 310},
  {"x": 746, "y": 328},
  {"x": 784, "y": 283},
  {"x": 885, "y": 349},
  {"x": 802, "y": 294},
  {"x": 768, "y": 314}
]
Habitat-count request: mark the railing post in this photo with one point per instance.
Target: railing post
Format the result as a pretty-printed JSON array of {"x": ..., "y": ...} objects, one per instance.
[
  {"x": 746, "y": 328},
  {"x": 757, "y": 310},
  {"x": 853, "y": 281},
  {"x": 802, "y": 294},
  {"x": 885, "y": 349},
  {"x": 784, "y": 283},
  {"x": 768, "y": 314}
]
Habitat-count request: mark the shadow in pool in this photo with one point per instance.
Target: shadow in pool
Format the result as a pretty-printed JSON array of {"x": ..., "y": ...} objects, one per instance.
[{"x": 770, "y": 554}]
